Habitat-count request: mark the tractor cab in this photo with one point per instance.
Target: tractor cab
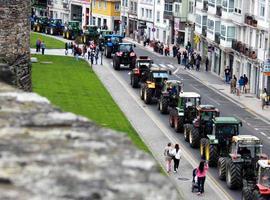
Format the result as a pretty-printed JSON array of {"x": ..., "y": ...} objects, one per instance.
[
  {"x": 103, "y": 33},
  {"x": 264, "y": 175},
  {"x": 187, "y": 103},
  {"x": 172, "y": 88},
  {"x": 111, "y": 44}
]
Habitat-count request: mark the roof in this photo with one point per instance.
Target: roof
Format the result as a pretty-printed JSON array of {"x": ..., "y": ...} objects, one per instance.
[
  {"x": 190, "y": 95},
  {"x": 114, "y": 35},
  {"x": 264, "y": 163},
  {"x": 125, "y": 43},
  {"x": 174, "y": 82},
  {"x": 207, "y": 107},
  {"x": 159, "y": 69},
  {"x": 245, "y": 138},
  {"x": 226, "y": 120}
]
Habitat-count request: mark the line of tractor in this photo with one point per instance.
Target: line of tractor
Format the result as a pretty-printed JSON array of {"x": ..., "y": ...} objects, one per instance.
[{"x": 239, "y": 158}]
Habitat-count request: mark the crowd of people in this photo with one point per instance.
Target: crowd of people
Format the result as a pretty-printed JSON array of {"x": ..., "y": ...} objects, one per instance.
[{"x": 173, "y": 155}]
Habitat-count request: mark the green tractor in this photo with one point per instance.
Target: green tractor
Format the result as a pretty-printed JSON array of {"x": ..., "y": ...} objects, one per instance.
[
  {"x": 201, "y": 125},
  {"x": 185, "y": 111},
  {"x": 91, "y": 33},
  {"x": 216, "y": 142},
  {"x": 40, "y": 24},
  {"x": 72, "y": 30},
  {"x": 54, "y": 27},
  {"x": 169, "y": 95},
  {"x": 241, "y": 161}
]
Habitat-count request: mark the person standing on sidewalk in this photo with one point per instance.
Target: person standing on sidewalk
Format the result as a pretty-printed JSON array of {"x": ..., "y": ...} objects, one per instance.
[
  {"x": 227, "y": 72},
  {"x": 241, "y": 83},
  {"x": 43, "y": 46},
  {"x": 178, "y": 55},
  {"x": 38, "y": 43},
  {"x": 66, "y": 48},
  {"x": 245, "y": 83},
  {"x": 168, "y": 156},
  {"x": 264, "y": 97},
  {"x": 201, "y": 174},
  {"x": 174, "y": 51},
  {"x": 176, "y": 152},
  {"x": 233, "y": 84},
  {"x": 198, "y": 62},
  {"x": 206, "y": 64}
]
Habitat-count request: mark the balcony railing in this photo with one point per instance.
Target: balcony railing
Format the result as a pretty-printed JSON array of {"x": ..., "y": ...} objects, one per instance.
[
  {"x": 217, "y": 38},
  {"x": 219, "y": 11},
  {"x": 205, "y": 5},
  {"x": 250, "y": 20},
  {"x": 244, "y": 49}
]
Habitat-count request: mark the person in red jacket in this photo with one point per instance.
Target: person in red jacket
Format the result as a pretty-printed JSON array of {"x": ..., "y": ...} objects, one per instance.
[{"x": 201, "y": 174}]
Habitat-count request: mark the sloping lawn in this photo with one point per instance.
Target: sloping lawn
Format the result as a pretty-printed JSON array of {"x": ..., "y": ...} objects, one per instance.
[
  {"x": 74, "y": 87},
  {"x": 50, "y": 43}
]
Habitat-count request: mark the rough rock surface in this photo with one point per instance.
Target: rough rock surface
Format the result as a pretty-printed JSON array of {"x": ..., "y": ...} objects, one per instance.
[
  {"x": 15, "y": 66},
  {"x": 48, "y": 154}
]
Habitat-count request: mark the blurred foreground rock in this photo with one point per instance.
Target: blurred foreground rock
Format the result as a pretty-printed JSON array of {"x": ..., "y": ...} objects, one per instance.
[{"x": 48, "y": 154}]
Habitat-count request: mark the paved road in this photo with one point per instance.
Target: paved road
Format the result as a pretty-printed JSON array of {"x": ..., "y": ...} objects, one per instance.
[{"x": 251, "y": 124}]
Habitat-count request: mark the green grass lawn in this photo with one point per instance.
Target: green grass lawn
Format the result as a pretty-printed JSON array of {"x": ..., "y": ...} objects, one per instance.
[
  {"x": 74, "y": 87},
  {"x": 50, "y": 43}
]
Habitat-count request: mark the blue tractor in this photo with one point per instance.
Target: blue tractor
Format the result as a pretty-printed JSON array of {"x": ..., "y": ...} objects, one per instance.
[
  {"x": 111, "y": 43},
  {"x": 54, "y": 27}
]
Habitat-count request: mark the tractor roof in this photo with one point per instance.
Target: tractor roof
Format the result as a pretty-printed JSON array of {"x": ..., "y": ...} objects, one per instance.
[
  {"x": 125, "y": 43},
  {"x": 114, "y": 35},
  {"x": 226, "y": 120},
  {"x": 245, "y": 138},
  {"x": 173, "y": 82},
  {"x": 189, "y": 95},
  {"x": 206, "y": 107},
  {"x": 158, "y": 69},
  {"x": 264, "y": 163},
  {"x": 143, "y": 58}
]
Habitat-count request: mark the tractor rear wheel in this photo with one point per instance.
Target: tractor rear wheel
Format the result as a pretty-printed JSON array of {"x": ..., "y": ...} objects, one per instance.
[
  {"x": 132, "y": 63},
  {"x": 187, "y": 128},
  {"x": 194, "y": 137},
  {"x": 116, "y": 64},
  {"x": 51, "y": 31},
  {"x": 203, "y": 143},
  {"x": 68, "y": 35},
  {"x": 141, "y": 93},
  {"x": 257, "y": 195},
  {"x": 64, "y": 34},
  {"x": 171, "y": 121},
  {"x": 163, "y": 105},
  {"x": 247, "y": 193},
  {"x": 147, "y": 96},
  {"x": 108, "y": 52},
  {"x": 221, "y": 168},
  {"x": 213, "y": 155},
  {"x": 233, "y": 175},
  {"x": 179, "y": 124},
  {"x": 134, "y": 82}
]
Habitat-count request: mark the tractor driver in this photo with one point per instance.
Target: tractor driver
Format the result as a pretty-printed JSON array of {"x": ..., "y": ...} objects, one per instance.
[
  {"x": 189, "y": 103},
  {"x": 244, "y": 151}
]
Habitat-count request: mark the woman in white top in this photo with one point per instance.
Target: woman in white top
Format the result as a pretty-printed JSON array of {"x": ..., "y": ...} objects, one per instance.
[
  {"x": 176, "y": 152},
  {"x": 168, "y": 156}
]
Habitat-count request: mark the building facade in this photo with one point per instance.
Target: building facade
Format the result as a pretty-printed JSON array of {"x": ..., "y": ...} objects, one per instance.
[
  {"x": 59, "y": 10},
  {"x": 106, "y": 13},
  {"x": 234, "y": 34}
]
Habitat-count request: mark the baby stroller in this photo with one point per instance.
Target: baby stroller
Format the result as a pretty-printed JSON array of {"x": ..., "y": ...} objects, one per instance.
[{"x": 194, "y": 181}]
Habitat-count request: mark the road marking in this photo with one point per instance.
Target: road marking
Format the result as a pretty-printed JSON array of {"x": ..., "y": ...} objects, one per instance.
[
  {"x": 256, "y": 129},
  {"x": 155, "y": 65},
  {"x": 268, "y": 138},
  {"x": 170, "y": 66},
  {"x": 176, "y": 71},
  {"x": 172, "y": 138},
  {"x": 162, "y": 65},
  {"x": 263, "y": 133}
]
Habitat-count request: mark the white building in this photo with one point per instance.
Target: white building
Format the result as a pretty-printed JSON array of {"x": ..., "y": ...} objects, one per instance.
[
  {"x": 162, "y": 28},
  {"x": 59, "y": 10},
  {"x": 234, "y": 33},
  {"x": 80, "y": 11}
]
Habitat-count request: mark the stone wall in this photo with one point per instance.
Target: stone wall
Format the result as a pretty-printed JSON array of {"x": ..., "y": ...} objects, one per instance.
[
  {"x": 14, "y": 43},
  {"x": 49, "y": 154}
]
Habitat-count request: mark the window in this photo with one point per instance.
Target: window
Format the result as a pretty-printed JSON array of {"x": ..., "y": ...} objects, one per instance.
[
  {"x": 150, "y": 13},
  {"x": 94, "y": 3},
  {"x": 262, "y": 8},
  {"x": 147, "y": 15},
  {"x": 238, "y": 6},
  {"x": 211, "y": 3},
  {"x": 223, "y": 32},
  {"x": 168, "y": 7},
  {"x": 105, "y": 4},
  {"x": 190, "y": 6},
  {"x": 198, "y": 20},
  {"x": 131, "y": 5},
  {"x": 228, "y": 5},
  {"x": 177, "y": 8},
  {"x": 94, "y": 21},
  {"x": 210, "y": 25},
  {"x": 99, "y": 4},
  {"x": 116, "y": 7},
  {"x": 142, "y": 12},
  {"x": 135, "y": 7},
  {"x": 126, "y": 3},
  {"x": 104, "y": 22},
  {"x": 158, "y": 16},
  {"x": 230, "y": 33},
  {"x": 157, "y": 34}
]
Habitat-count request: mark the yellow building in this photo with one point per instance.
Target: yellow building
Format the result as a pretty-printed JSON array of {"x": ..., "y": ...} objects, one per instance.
[{"x": 106, "y": 13}]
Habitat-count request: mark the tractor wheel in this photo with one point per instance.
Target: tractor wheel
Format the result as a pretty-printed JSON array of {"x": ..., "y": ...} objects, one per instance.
[
  {"x": 38, "y": 28},
  {"x": 257, "y": 195},
  {"x": 142, "y": 93},
  {"x": 163, "y": 105},
  {"x": 116, "y": 64},
  {"x": 51, "y": 31},
  {"x": 194, "y": 137},
  {"x": 179, "y": 124},
  {"x": 213, "y": 155},
  {"x": 64, "y": 34},
  {"x": 221, "y": 166},
  {"x": 247, "y": 193},
  {"x": 171, "y": 120},
  {"x": 234, "y": 175},
  {"x": 132, "y": 63},
  {"x": 108, "y": 52},
  {"x": 46, "y": 31},
  {"x": 203, "y": 143},
  {"x": 187, "y": 128},
  {"x": 68, "y": 35},
  {"x": 134, "y": 82},
  {"x": 147, "y": 96},
  {"x": 84, "y": 39}
]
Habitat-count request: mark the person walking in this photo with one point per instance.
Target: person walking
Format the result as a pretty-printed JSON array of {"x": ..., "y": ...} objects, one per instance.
[
  {"x": 192, "y": 61},
  {"x": 241, "y": 83},
  {"x": 174, "y": 51},
  {"x": 201, "y": 174},
  {"x": 176, "y": 152},
  {"x": 206, "y": 64},
  {"x": 178, "y": 55},
  {"x": 245, "y": 83},
  {"x": 168, "y": 156},
  {"x": 96, "y": 55},
  {"x": 43, "y": 46},
  {"x": 38, "y": 43},
  {"x": 264, "y": 98},
  {"x": 66, "y": 48},
  {"x": 227, "y": 72},
  {"x": 233, "y": 84},
  {"x": 198, "y": 62}
]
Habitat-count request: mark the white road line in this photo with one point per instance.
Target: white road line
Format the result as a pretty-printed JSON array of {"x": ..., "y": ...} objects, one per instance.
[
  {"x": 162, "y": 65},
  {"x": 256, "y": 129},
  {"x": 155, "y": 65},
  {"x": 268, "y": 138},
  {"x": 170, "y": 66},
  {"x": 248, "y": 124},
  {"x": 263, "y": 133},
  {"x": 176, "y": 71}
]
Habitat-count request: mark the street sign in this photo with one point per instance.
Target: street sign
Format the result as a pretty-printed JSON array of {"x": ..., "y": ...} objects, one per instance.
[{"x": 153, "y": 29}]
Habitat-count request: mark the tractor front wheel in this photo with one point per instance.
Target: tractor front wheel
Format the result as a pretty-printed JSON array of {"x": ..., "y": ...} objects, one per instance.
[
  {"x": 163, "y": 105},
  {"x": 257, "y": 195},
  {"x": 187, "y": 128},
  {"x": 134, "y": 82},
  {"x": 147, "y": 96},
  {"x": 179, "y": 124},
  {"x": 116, "y": 64},
  {"x": 247, "y": 193},
  {"x": 171, "y": 120},
  {"x": 203, "y": 143},
  {"x": 233, "y": 175},
  {"x": 221, "y": 168},
  {"x": 132, "y": 63},
  {"x": 213, "y": 155},
  {"x": 108, "y": 52},
  {"x": 194, "y": 137},
  {"x": 142, "y": 93}
]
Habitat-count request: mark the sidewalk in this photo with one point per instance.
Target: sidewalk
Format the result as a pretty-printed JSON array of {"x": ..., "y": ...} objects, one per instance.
[{"x": 248, "y": 101}]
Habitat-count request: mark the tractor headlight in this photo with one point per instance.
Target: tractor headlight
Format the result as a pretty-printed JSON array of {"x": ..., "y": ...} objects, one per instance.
[{"x": 181, "y": 114}]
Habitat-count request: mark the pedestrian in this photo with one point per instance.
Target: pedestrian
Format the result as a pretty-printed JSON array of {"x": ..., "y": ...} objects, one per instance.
[
  {"x": 96, "y": 55},
  {"x": 88, "y": 53},
  {"x": 168, "y": 156},
  {"x": 201, "y": 174},
  {"x": 38, "y": 43},
  {"x": 264, "y": 98},
  {"x": 192, "y": 61},
  {"x": 198, "y": 62},
  {"x": 72, "y": 47},
  {"x": 178, "y": 55},
  {"x": 233, "y": 84},
  {"x": 43, "y": 46},
  {"x": 227, "y": 72},
  {"x": 185, "y": 57},
  {"x": 92, "y": 56},
  {"x": 84, "y": 50},
  {"x": 245, "y": 87},
  {"x": 206, "y": 64},
  {"x": 175, "y": 51},
  {"x": 66, "y": 48},
  {"x": 241, "y": 83},
  {"x": 176, "y": 152}
]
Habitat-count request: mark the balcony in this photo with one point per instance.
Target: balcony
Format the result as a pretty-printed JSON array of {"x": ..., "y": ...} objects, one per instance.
[
  {"x": 244, "y": 49},
  {"x": 217, "y": 38},
  {"x": 65, "y": 5},
  {"x": 168, "y": 10},
  {"x": 219, "y": 11},
  {"x": 250, "y": 20},
  {"x": 205, "y": 6}
]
